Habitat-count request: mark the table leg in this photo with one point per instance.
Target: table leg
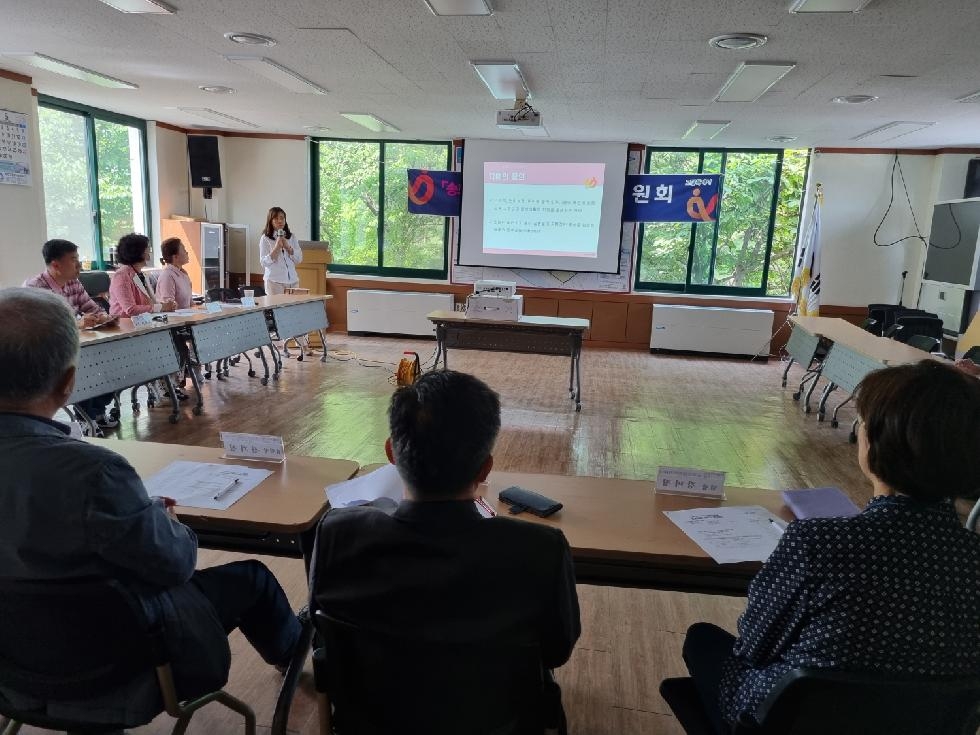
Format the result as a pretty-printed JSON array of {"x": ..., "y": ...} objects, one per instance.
[
  {"x": 577, "y": 369},
  {"x": 788, "y": 366},
  {"x": 809, "y": 392},
  {"x": 833, "y": 417},
  {"x": 323, "y": 343},
  {"x": 199, "y": 406},
  {"x": 174, "y": 403},
  {"x": 265, "y": 366},
  {"x": 822, "y": 406}
]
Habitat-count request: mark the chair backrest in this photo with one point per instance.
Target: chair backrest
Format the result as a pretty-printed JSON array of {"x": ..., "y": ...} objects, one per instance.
[
  {"x": 929, "y": 326},
  {"x": 883, "y": 315},
  {"x": 221, "y": 294},
  {"x": 72, "y": 639},
  {"x": 973, "y": 354},
  {"x": 817, "y": 702},
  {"x": 258, "y": 290},
  {"x": 381, "y": 684},
  {"x": 96, "y": 283},
  {"x": 922, "y": 342}
]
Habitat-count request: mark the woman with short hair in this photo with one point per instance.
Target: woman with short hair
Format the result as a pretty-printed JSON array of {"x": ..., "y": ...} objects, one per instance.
[
  {"x": 129, "y": 292},
  {"x": 894, "y": 590}
]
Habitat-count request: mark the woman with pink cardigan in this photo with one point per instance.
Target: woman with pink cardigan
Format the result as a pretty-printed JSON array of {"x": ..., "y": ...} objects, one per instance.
[{"x": 129, "y": 293}]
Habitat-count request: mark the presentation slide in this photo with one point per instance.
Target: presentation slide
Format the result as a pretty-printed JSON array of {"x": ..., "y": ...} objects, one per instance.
[
  {"x": 548, "y": 209},
  {"x": 543, "y": 205}
]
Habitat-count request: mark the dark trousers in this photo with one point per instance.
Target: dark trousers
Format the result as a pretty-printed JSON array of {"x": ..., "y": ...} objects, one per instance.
[
  {"x": 247, "y": 596},
  {"x": 706, "y": 648},
  {"x": 95, "y": 407}
]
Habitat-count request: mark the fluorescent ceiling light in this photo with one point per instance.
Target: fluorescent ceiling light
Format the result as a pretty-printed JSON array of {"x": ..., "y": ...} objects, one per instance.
[
  {"x": 277, "y": 73},
  {"x": 751, "y": 80},
  {"x": 208, "y": 114},
  {"x": 459, "y": 7},
  {"x": 827, "y": 6},
  {"x": 503, "y": 79},
  {"x": 892, "y": 130},
  {"x": 854, "y": 99},
  {"x": 371, "y": 122},
  {"x": 705, "y": 129},
  {"x": 250, "y": 39},
  {"x": 140, "y": 6},
  {"x": 74, "y": 71}
]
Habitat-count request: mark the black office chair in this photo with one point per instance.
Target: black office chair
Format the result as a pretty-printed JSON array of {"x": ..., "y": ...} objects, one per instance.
[
  {"x": 96, "y": 285},
  {"x": 973, "y": 354},
  {"x": 373, "y": 684},
  {"x": 225, "y": 295},
  {"x": 906, "y": 326},
  {"x": 818, "y": 702},
  {"x": 883, "y": 316},
  {"x": 924, "y": 343},
  {"x": 71, "y": 640}
]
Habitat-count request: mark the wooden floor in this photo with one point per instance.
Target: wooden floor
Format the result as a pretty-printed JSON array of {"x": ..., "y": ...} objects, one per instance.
[{"x": 639, "y": 411}]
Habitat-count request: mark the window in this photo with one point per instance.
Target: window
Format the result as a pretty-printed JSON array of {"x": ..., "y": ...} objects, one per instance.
[
  {"x": 360, "y": 204},
  {"x": 95, "y": 187},
  {"x": 749, "y": 250}
]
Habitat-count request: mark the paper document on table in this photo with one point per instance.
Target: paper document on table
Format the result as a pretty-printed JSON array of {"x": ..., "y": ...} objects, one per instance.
[
  {"x": 204, "y": 484},
  {"x": 730, "y": 534},
  {"x": 384, "y": 482}
]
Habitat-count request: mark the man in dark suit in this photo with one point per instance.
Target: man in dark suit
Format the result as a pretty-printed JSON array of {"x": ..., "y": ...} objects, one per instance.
[{"x": 436, "y": 569}]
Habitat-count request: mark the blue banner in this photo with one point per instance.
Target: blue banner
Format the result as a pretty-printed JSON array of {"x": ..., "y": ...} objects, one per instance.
[
  {"x": 434, "y": 192},
  {"x": 671, "y": 198}
]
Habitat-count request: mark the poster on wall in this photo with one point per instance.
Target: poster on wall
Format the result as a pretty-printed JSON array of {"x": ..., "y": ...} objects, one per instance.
[{"x": 15, "y": 152}]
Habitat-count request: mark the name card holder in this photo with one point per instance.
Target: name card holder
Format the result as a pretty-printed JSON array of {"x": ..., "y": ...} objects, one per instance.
[
  {"x": 695, "y": 483},
  {"x": 248, "y": 301},
  {"x": 254, "y": 447},
  {"x": 213, "y": 307},
  {"x": 142, "y": 320}
]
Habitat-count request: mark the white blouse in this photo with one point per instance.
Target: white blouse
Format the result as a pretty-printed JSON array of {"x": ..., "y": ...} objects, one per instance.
[{"x": 283, "y": 268}]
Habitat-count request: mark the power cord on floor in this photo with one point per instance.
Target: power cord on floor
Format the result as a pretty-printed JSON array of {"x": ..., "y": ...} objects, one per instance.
[{"x": 350, "y": 356}]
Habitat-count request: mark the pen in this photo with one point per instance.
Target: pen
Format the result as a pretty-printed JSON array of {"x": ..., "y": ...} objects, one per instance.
[
  {"x": 778, "y": 525},
  {"x": 227, "y": 489}
]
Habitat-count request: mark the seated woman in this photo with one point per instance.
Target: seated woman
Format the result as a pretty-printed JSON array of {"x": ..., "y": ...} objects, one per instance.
[
  {"x": 893, "y": 590},
  {"x": 129, "y": 293},
  {"x": 174, "y": 284}
]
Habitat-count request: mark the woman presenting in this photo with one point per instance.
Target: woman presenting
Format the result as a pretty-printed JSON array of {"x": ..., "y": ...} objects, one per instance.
[{"x": 279, "y": 253}]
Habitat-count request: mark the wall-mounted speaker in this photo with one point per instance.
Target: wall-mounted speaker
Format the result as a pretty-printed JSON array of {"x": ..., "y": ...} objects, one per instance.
[
  {"x": 202, "y": 154},
  {"x": 972, "y": 188}
]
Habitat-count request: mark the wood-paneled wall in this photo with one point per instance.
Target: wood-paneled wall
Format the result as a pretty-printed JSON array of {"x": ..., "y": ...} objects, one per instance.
[{"x": 618, "y": 319}]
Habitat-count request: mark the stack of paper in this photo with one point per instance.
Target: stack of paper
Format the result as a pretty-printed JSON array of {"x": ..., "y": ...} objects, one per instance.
[
  {"x": 820, "y": 502},
  {"x": 203, "y": 484},
  {"x": 384, "y": 482},
  {"x": 730, "y": 534}
]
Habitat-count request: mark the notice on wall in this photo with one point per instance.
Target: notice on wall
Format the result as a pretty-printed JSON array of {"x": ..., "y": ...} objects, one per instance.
[{"x": 15, "y": 151}]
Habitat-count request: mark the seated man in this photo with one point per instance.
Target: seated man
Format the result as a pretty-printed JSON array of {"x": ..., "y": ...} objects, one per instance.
[
  {"x": 69, "y": 509},
  {"x": 61, "y": 276},
  {"x": 436, "y": 569}
]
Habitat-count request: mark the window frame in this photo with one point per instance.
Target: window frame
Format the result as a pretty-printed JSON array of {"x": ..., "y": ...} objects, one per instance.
[
  {"x": 380, "y": 269},
  {"x": 90, "y": 115},
  {"x": 709, "y": 289}
]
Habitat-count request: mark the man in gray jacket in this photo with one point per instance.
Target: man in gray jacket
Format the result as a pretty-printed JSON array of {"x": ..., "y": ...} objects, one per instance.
[{"x": 69, "y": 509}]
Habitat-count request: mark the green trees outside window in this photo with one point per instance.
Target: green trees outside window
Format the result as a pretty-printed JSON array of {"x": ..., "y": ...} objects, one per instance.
[
  {"x": 749, "y": 250},
  {"x": 94, "y": 166},
  {"x": 360, "y": 205}
]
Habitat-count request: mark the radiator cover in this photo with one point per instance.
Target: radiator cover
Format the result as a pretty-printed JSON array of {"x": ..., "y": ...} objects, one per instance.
[{"x": 742, "y": 332}]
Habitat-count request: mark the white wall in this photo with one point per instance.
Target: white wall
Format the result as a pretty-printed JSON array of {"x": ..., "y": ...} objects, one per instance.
[
  {"x": 856, "y": 272},
  {"x": 259, "y": 174},
  {"x": 22, "y": 207},
  {"x": 169, "y": 184}
]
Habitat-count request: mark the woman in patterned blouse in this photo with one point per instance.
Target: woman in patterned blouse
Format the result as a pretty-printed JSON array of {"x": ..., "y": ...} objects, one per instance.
[{"x": 893, "y": 590}]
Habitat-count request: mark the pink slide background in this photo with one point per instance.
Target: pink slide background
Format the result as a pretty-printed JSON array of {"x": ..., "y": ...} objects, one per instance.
[{"x": 564, "y": 174}]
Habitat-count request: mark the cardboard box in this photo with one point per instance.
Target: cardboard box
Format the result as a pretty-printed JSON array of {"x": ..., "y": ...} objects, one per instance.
[{"x": 499, "y": 308}]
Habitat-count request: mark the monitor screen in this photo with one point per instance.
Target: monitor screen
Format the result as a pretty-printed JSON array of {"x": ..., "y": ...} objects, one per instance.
[{"x": 952, "y": 253}]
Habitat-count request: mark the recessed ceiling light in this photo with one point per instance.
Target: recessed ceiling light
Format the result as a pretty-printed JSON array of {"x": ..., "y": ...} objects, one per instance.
[
  {"x": 208, "y": 114},
  {"x": 371, "y": 122},
  {"x": 74, "y": 71},
  {"x": 827, "y": 6},
  {"x": 503, "y": 78},
  {"x": 893, "y": 130},
  {"x": 459, "y": 7},
  {"x": 250, "y": 39},
  {"x": 140, "y": 6},
  {"x": 316, "y": 128},
  {"x": 782, "y": 138},
  {"x": 278, "y": 73},
  {"x": 752, "y": 79},
  {"x": 854, "y": 99},
  {"x": 216, "y": 89},
  {"x": 738, "y": 41},
  {"x": 705, "y": 129}
]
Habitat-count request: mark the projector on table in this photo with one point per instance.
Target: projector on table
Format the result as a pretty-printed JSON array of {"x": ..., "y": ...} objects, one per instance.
[
  {"x": 526, "y": 117},
  {"x": 495, "y": 288},
  {"x": 499, "y": 308}
]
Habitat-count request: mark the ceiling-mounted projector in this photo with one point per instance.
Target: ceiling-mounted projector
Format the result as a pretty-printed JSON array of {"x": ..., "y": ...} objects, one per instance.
[{"x": 526, "y": 117}]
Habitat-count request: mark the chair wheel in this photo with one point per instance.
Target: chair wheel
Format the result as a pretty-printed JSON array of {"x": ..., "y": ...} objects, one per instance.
[
  {"x": 151, "y": 402},
  {"x": 834, "y": 423},
  {"x": 784, "y": 383},
  {"x": 853, "y": 438},
  {"x": 299, "y": 357},
  {"x": 264, "y": 381},
  {"x": 251, "y": 373},
  {"x": 208, "y": 375},
  {"x": 797, "y": 395},
  {"x": 578, "y": 407},
  {"x": 114, "y": 414},
  {"x": 174, "y": 418},
  {"x": 136, "y": 409}
]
